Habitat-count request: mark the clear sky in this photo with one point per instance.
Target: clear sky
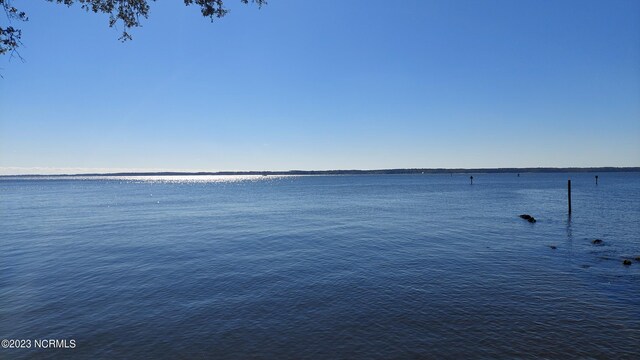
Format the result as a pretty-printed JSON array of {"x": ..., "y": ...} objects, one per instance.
[{"x": 326, "y": 84}]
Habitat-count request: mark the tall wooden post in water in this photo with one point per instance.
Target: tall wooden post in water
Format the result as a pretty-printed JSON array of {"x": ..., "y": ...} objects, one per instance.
[
  {"x": 569, "y": 194},
  {"x": 596, "y": 179}
]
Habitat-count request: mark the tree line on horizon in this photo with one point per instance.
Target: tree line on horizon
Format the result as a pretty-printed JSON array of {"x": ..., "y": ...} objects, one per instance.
[{"x": 411, "y": 171}]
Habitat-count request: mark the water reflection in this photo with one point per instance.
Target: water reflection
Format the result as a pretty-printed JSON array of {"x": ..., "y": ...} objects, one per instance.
[
  {"x": 568, "y": 228},
  {"x": 166, "y": 178}
]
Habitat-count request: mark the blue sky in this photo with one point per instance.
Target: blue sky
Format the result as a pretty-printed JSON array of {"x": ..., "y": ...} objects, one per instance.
[{"x": 329, "y": 84}]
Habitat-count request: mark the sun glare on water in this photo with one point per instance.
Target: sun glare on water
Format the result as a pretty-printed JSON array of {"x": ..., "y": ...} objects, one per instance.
[{"x": 192, "y": 178}]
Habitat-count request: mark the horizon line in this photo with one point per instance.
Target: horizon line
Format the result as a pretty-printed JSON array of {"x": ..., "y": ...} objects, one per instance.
[{"x": 389, "y": 171}]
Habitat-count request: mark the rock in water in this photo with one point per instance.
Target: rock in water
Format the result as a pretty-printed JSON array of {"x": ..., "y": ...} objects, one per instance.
[
  {"x": 528, "y": 217},
  {"x": 626, "y": 262},
  {"x": 597, "y": 242}
]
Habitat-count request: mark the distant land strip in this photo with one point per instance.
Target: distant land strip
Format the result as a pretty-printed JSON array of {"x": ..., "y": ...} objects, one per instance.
[{"x": 362, "y": 172}]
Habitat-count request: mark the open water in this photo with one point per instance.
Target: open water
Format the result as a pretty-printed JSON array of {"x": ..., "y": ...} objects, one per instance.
[{"x": 316, "y": 267}]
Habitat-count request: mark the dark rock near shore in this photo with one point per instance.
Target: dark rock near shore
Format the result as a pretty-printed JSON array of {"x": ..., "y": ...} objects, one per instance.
[
  {"x": 553, "y": 247},
  {"x": 528, "y": 217},
  {"x": 626, "y": 262},
  {"x": 597, "y": 242}
]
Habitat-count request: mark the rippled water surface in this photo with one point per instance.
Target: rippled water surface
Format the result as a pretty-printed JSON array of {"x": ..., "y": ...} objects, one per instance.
[{"x": 358, "y": 267}]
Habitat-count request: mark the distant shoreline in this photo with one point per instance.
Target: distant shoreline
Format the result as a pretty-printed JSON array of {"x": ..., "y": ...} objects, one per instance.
[{"x": 356, "y": 172}]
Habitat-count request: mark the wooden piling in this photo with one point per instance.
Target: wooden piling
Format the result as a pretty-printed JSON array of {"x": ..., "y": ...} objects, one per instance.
[
  {"x": 471, "y": 178},
  {"x": 569, "y": 194},
  {"x": 596, "y": 179}
]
